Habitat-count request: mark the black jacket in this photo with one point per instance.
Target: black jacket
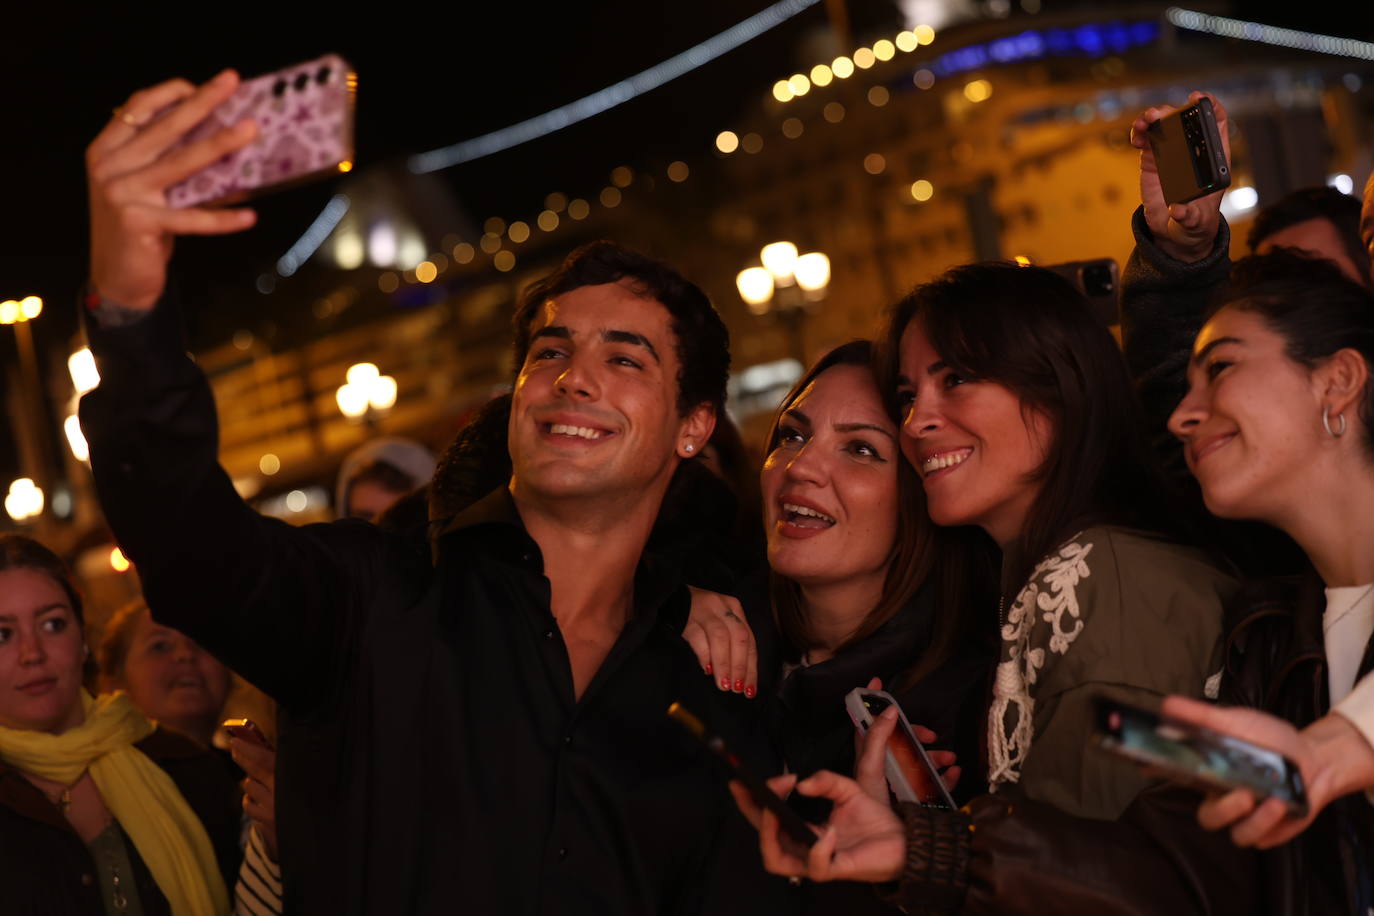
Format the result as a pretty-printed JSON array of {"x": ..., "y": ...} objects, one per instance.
[
  {"x": 45, "y": 868},
  {"x": 432, "y": 753},
  {"x": 1276, "y": 661}
]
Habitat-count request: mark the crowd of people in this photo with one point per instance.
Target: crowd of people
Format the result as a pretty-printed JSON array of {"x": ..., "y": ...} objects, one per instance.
[{"x": 994, "y": 511}]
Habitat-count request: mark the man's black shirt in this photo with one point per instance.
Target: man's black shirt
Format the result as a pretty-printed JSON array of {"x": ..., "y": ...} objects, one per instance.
[{"x": 433, "y": 756}]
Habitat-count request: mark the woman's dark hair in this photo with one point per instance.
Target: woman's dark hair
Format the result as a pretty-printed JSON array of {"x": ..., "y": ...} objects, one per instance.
[
  {"x": 918, "y": 551},
  {"x": 1314, "y": 307},
  {"x": 20, "y": 552},
  {"x": 703, "y": 343},
  {"x": 1030, "y": 330}
]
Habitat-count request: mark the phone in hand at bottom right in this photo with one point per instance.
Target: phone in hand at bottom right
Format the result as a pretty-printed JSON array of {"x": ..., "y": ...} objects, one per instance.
[{"x": 1197, "y": 756}]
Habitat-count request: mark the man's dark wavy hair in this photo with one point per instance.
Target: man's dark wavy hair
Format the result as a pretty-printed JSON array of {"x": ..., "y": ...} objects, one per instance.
[
  {"x": 702, "y": 342},
  {"x": 1340, "y": 210}
]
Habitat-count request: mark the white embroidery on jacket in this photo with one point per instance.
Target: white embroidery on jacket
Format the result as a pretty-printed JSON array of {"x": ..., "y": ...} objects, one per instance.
[{"x": 1051, "y": 593}]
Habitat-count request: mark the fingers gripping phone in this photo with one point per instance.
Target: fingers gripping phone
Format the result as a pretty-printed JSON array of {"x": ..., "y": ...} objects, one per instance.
[
  {"x": 910, "y": 774},
  {"x": 791, "y": 822},
  {"x": 246, "y": 730},
  {"x": 1188, "y": 153},
  {"x": 1197, "y": 756},
  {"x": 304, "y": 115}
]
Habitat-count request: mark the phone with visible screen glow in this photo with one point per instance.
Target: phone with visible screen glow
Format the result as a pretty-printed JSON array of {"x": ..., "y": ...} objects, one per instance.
[
  {"x": 911, "y": 775},
  {"x": 1197, "y": 756}
]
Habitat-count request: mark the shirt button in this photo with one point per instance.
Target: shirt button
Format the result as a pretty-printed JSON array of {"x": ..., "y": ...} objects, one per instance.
[
  {"x": 87, "y": 879},
  {"x": 567, "y": 739},
  {"x": 548, "y": 634},
  {"x": 562, "y": 854}
]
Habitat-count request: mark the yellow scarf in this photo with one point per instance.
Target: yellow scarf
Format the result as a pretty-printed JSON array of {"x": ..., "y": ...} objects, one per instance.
[{"x": 140, "y": 795}]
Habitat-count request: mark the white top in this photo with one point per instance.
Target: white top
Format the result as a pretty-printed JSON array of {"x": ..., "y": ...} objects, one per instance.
[{"x": 1348, "y": 623}]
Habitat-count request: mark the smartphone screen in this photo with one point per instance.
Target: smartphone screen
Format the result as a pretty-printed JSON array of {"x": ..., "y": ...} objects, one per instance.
[
  {"x": 907, "y": 753},
  {"x": 1198, "y": 755}
]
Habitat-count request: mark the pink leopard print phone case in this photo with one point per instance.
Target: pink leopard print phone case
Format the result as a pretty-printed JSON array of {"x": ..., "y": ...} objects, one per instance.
[{"x": 305, "y": 130}]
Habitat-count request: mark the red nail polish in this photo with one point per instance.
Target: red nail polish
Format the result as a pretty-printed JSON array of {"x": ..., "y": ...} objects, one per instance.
[
  {"x": 707, "y": 669},
  {"x": 750, "y": 691},
  {"x": 725, "y": 683},
  {"x": 739, "y": 685}
]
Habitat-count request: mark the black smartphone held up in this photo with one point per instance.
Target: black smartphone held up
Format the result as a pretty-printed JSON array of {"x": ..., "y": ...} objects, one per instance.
[
  {"x": 911, "y": 775},
  {"x": 1188, "y": 153},
  {"x": 1097, "y": 280},
  {"x": 1197, "y": 756},
  {"x": 790, "y": 821}
]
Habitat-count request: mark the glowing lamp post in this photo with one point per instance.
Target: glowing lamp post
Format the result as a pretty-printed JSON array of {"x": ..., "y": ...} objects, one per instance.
[
  {"x": 24, "y": 500},
  {"x": 787, "y": 286},
  {"x": 367, "y": 394}
]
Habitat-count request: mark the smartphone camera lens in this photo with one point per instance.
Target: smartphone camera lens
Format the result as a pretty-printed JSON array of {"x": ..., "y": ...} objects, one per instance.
[
  {"x": 302, "y": 81},
  {"x": 279, "y": 88},
  {"x": 323, "y": 76}
]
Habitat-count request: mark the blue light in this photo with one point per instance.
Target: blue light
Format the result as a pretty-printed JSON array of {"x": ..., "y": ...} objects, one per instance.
[{"x": 1088, "y": 39}]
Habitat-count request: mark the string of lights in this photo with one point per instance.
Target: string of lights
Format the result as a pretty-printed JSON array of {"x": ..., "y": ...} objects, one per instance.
[
  {"x": 1195, "y": 21},
  {"x": 611, "y": 96},
  {"x": 314, "y": 236}
]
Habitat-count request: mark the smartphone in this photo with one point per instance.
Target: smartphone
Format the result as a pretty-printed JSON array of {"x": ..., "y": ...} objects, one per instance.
[
  {"x": 910, "y": 774},
  {"x": 1189, "y": 154},
  {"x": 1197, "y": 756},
  {"x": 790, "y": 821},
  {"x": 246, "y": 730},
  {"x": 304, "y": 115},
  {"x": 1097, "y": 280}
]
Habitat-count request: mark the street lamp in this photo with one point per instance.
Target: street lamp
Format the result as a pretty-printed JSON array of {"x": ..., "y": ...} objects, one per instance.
[
  {"x": 366, "y": 393},
  {"x": 24, "y": 500},
  {"x": 33, "y": 440},
  {"x": 787, "y": 286}
]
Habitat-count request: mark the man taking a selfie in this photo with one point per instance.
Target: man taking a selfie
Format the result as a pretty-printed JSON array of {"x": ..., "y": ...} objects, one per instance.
[{"x": 487, "y": 732}]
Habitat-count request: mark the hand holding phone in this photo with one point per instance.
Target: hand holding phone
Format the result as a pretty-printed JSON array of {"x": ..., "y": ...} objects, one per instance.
[
  {"x": 304, "y": 118},
  {"x": 1197, "y": 756},
  {"x": 246, "y": 730},
  {"x": 911, "y": 776},
  {"x": 1188, "y": 153},
  {"x": 1184, "y": 231},
  {"x": 789, "y": 820}
]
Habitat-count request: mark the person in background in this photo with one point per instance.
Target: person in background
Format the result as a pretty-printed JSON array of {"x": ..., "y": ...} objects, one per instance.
[
  {"x": 378, "y": 473},
  {"x": 1315, "y": 223},
  {"x": 170, "y": 678},
  {"x": 1277, "y": 428},
  {"x": 177, "y": 684},
  {"x": 101, "y": 811}
]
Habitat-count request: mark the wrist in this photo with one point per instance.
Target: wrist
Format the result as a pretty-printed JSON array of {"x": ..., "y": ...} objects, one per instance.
[{"x": 1186, "y": 253}]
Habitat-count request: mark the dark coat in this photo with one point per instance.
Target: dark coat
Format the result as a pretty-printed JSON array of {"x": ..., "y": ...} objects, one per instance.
[
  {"x": 45, "y": 869},
  {"x": 1276, "y": 661}
]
